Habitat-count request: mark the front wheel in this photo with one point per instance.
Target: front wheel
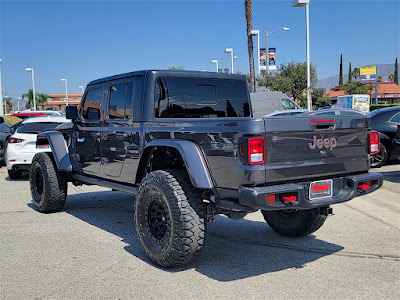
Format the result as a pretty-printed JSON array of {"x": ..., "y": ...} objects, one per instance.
[
  {"x": 294, "y": 223},
  {"x": 170, "y": 218},
  {"x": 48, "y": 185}
]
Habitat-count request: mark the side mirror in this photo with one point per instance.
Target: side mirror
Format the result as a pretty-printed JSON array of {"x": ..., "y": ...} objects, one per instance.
[
  {"x": 1, "y": 120},
  {"x": 93, "y": 113},
  {"x": 71, "y": 112}
]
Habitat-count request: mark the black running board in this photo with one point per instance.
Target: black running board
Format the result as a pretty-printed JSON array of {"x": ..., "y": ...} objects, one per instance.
[{"x": 104, "y": 183}]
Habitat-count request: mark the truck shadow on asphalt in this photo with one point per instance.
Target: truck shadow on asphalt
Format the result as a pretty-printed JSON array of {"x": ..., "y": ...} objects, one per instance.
[
  {"x": 233, "y": 249},
  {"x": 393, "y": 176}
]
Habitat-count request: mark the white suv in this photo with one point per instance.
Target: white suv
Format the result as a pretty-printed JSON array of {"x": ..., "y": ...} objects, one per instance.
[{"x": 21, "y": 146}]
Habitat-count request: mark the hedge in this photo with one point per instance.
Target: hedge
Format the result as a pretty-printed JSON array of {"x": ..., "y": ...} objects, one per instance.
[
  {"x": 11, "y": 120},
  {"x": 378, "y": 106}
]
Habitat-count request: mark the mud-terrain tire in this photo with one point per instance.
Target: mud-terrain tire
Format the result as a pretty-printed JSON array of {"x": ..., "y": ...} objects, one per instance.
[
  {"x": 379, "y": 159},
  {"x": 170, "y": 218},
  {"x": 14, "y": 174},
  {"x": 294, "y": 223},
  {"x": 48, "y": 185}
]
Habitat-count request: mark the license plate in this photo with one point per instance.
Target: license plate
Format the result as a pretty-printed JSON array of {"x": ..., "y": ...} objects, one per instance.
[{"x": 320, "y": 189}]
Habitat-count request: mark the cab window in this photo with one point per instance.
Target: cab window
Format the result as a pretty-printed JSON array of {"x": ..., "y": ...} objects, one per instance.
[
  {"x": 120, "y": 105},
  {"x": 92, "y": 104}
]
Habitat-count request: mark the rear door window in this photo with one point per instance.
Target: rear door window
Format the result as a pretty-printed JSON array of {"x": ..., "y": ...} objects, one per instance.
[{"x": 120, "y": 106}]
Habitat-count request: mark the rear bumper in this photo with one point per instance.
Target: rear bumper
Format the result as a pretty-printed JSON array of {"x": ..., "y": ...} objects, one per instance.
[{"x": 344, "y": 189}]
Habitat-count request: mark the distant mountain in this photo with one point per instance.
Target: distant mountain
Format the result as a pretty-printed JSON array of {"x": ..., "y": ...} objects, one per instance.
[{"x": 383, "y": 70}]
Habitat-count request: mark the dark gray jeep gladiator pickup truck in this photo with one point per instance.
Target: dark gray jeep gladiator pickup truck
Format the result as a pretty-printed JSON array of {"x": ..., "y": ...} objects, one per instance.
[{"x": 186, "y": 144}]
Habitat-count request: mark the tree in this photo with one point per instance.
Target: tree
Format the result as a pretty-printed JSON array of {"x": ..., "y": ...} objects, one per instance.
[
  {"x": 28, "y": 95},
  {"x": 350, "y": 74},
  {"x": 396, "y": 72},
  {"x": 41, "y": 97},
  {"x": 290, "y": 78},
  {"x": 356, "y": 87},
  {"x": 380, "y": 79},
  {"x": 356, "y": 73},
  {"x": 176, "y": 68},
  {"x": 8, "y": 104},
  {"x": 341, "y": 71},
  {"x": 391, "y": 77},
  {"x": 249, "y": 25}
]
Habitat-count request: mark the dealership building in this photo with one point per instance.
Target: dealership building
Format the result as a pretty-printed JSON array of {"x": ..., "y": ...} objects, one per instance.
[{"x": 57, "y": 102}]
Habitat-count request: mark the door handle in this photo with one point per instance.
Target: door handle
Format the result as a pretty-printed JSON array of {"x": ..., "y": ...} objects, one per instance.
[
  {"x": 104, "y": 135},
  {"x": 121, "y": 134}
]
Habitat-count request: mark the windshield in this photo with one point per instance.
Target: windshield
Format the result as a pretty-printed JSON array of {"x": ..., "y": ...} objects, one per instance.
[{"x": 36, "y": 128}]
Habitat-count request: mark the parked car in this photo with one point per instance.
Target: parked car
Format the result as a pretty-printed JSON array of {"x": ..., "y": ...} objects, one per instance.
[
  {"x": 36, "y": 113},
  {"x": 387, "y": 122},
  {"x": 287, "y": 112},
  {"x": 5, "y": 132},
  {"x": 337, "y": 112},
  {"x": 268, "y": 102},
  {"x": 21, "y": 146}
]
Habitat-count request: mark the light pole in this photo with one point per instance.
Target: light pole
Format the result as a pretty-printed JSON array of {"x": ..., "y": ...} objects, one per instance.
[
  {"x": 301, "y": 3},
  {"x": 215, "y": 61},
  {"x": 18, "y": 99},
  {"x": 230, "y": 50},
  {"x": 33, "y": 86},
  {"x": 81, "y": 87},
  {"x": 66, "y": 90},
  {"x": 266, "y": 45},
  {"x": 257, "y": 33},
  {"x": 1, "y": 95}
]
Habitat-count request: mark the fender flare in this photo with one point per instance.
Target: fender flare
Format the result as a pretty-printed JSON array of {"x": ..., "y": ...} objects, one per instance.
[
  {"x": 193, "y": 158},
  {"x": 58, "y": 147}
]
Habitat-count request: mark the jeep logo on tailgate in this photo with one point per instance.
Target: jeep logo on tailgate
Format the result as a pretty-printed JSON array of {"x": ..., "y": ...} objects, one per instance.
[{"x": 328, "y": 143}]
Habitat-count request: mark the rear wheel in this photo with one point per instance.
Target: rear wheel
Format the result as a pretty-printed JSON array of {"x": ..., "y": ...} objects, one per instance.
[
  {"x": 48, "y": 185},
  {"x": 14, "y": 174},
  {"x": 379, "y": 159},
  {"x": 170, "y": 218},
  {"x": 294, "y": 223}
]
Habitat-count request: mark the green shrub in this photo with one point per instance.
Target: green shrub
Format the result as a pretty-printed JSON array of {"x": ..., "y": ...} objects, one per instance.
[
  {"x": 11, "y": 120},
  {"x": 378, "y": 106}
]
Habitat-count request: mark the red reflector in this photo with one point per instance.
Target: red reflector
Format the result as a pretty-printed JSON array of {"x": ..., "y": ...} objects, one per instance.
[
  {"x": 289, "y": 198},
  {"x": 270, "y": 198},
  {"x": 11, "y": 160},
  {"x": 364, "y": 187},
  {"x": 321, "y": 121},
  {"x": 256, "y": 151},
  {"x": 374, "y": 142}
]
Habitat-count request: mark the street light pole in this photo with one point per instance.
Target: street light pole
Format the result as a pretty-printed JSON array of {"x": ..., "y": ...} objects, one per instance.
[
  {"x": 1, "y": 95},
  {"x": 66, "y": 90},
  {"x": 33, "y": 86},
  {"x": 215, "y": 61},
  {"x": 266, "y": 45},
  {"x": 306, "y": 3},
  {"x": 81, "y": 87},
  {"x": 257, "y": 33},
  {"x": 230, "y": 50}
]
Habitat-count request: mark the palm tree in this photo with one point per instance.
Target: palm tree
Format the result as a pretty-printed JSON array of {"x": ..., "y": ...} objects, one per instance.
[
  {"x": 356, "y": 73},
  {"x": 41, "y": 97},
  {"x": 391, "y": 77},
  {"x": 247, "y": 7},
  {"x": 8, "y": 104},
  {"x": 28, "y": 95},
  {"x": 380, "y": 79}
]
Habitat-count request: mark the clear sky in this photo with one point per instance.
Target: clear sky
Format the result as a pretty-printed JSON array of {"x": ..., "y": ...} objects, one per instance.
[{"x": 86, "y": 40}]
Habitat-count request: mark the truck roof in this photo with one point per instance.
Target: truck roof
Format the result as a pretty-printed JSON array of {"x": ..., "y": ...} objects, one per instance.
[{"x": 175, "y": 73}]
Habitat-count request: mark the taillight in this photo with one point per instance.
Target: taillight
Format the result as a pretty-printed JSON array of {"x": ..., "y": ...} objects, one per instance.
[
  {"x": 256, "y": 151},
  {"x": 374, "y": 141},
  {"x": 13, "y": 140}
]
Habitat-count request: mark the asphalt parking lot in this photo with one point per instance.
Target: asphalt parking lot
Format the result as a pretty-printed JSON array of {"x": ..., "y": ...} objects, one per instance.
[{"x": 90, "y": 251}]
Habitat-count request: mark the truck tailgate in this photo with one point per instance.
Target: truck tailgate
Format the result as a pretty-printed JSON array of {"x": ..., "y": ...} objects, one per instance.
[{"x": 315, "y": 147}]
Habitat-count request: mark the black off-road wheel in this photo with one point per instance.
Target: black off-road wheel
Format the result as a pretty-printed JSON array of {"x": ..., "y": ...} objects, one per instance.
[
  {"x": 379, "y": 159},
  {"x": 294, "y": 223},
  {"x": 14, "y": 174},
  {"x": 170, "y": 218},
  {"x": 48, "y": 185}
]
